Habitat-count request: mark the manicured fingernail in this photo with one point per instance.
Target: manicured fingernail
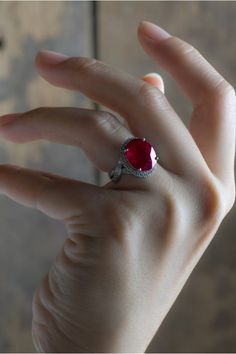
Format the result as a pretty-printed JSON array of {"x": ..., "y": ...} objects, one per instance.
[
  {"x": 51, "y": 58},
  {"x": 153, "y": 32},
  {"x": 152, "y": 77},
  {"x": 7, "y": 118}
]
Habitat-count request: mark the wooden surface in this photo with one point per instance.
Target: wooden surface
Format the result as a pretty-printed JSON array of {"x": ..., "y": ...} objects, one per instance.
[
  {"x": 203, "y": 318},
  {"x": 29, "y": 240}
]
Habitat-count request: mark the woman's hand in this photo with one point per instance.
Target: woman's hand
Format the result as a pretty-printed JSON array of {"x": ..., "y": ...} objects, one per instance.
[{"x": 132, "y": 245}]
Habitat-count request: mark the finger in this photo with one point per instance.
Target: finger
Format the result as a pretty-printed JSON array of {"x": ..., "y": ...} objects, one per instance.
[
  {"x": 146, "y": 109},
  {"x": 213, "y": 120},
  {"x": 56, "y": 196},
  {"x": 99, "y": 133},
  {"x": 155, "y": 80}
]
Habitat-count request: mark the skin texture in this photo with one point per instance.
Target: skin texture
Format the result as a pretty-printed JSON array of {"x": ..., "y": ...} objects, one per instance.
[{"x": 132, "y": 245}]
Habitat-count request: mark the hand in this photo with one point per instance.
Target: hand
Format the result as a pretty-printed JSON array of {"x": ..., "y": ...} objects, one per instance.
[{"x": 131, "y": 245}]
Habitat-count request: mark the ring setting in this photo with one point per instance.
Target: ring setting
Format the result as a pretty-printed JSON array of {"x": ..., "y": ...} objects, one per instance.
[{"x": 137, "y": 157}]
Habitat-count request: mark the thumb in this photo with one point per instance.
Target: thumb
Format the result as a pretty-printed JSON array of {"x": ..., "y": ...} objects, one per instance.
[{"x": 155, "y": 80}]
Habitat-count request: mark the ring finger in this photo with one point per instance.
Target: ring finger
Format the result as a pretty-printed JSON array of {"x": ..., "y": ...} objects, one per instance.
[{"x": 98, "y": 133}]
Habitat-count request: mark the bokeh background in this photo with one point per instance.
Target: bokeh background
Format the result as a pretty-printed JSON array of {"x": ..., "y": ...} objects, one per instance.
[{"x": 203, "y": 319}]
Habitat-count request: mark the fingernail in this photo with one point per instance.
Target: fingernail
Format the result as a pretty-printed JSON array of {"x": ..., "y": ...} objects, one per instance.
[
  {"x": 51, "y": 58},
  {"x": 154, "y": 76},
  {"x": 153, "y": 32}
]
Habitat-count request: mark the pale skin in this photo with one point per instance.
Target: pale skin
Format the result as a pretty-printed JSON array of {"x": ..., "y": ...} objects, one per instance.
[{"x": 130, "y": 245}]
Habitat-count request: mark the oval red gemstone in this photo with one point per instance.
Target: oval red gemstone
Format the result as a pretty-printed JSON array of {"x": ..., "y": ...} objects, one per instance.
[{"x": 140, "y": 154}]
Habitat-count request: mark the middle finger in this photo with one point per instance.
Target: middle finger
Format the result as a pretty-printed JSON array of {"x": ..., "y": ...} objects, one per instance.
[{"x": 145, "y": 108}]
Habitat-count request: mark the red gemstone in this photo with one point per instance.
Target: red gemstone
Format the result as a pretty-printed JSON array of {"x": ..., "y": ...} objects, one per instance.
[{"x": 140, "y": 154}]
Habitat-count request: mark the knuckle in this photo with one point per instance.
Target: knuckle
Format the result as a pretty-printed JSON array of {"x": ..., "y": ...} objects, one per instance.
[
  {"x": 187, "y": 49},
  {"x": 47, "y": 183},
  {"x": 147, "y": 94},
  {"x": 224, "y": 89},
  {"x": 183, "y": 48},
  {"x": 107, "y": 121},
  {"x": 213, "y": 204},
  {"x": 212, "y": 200},
  {"x": 82, "y": 251},
  {"x": 152, "y": 97},
  {"x": 122, "y": 215},
  {"x": 81, "y": 63}
]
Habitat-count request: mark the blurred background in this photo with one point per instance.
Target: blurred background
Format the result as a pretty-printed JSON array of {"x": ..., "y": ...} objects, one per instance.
[{"x": 203, "y": 319}]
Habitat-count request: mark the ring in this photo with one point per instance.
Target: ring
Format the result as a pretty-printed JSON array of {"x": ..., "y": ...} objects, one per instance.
[{"x": 137, "y": 157}]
